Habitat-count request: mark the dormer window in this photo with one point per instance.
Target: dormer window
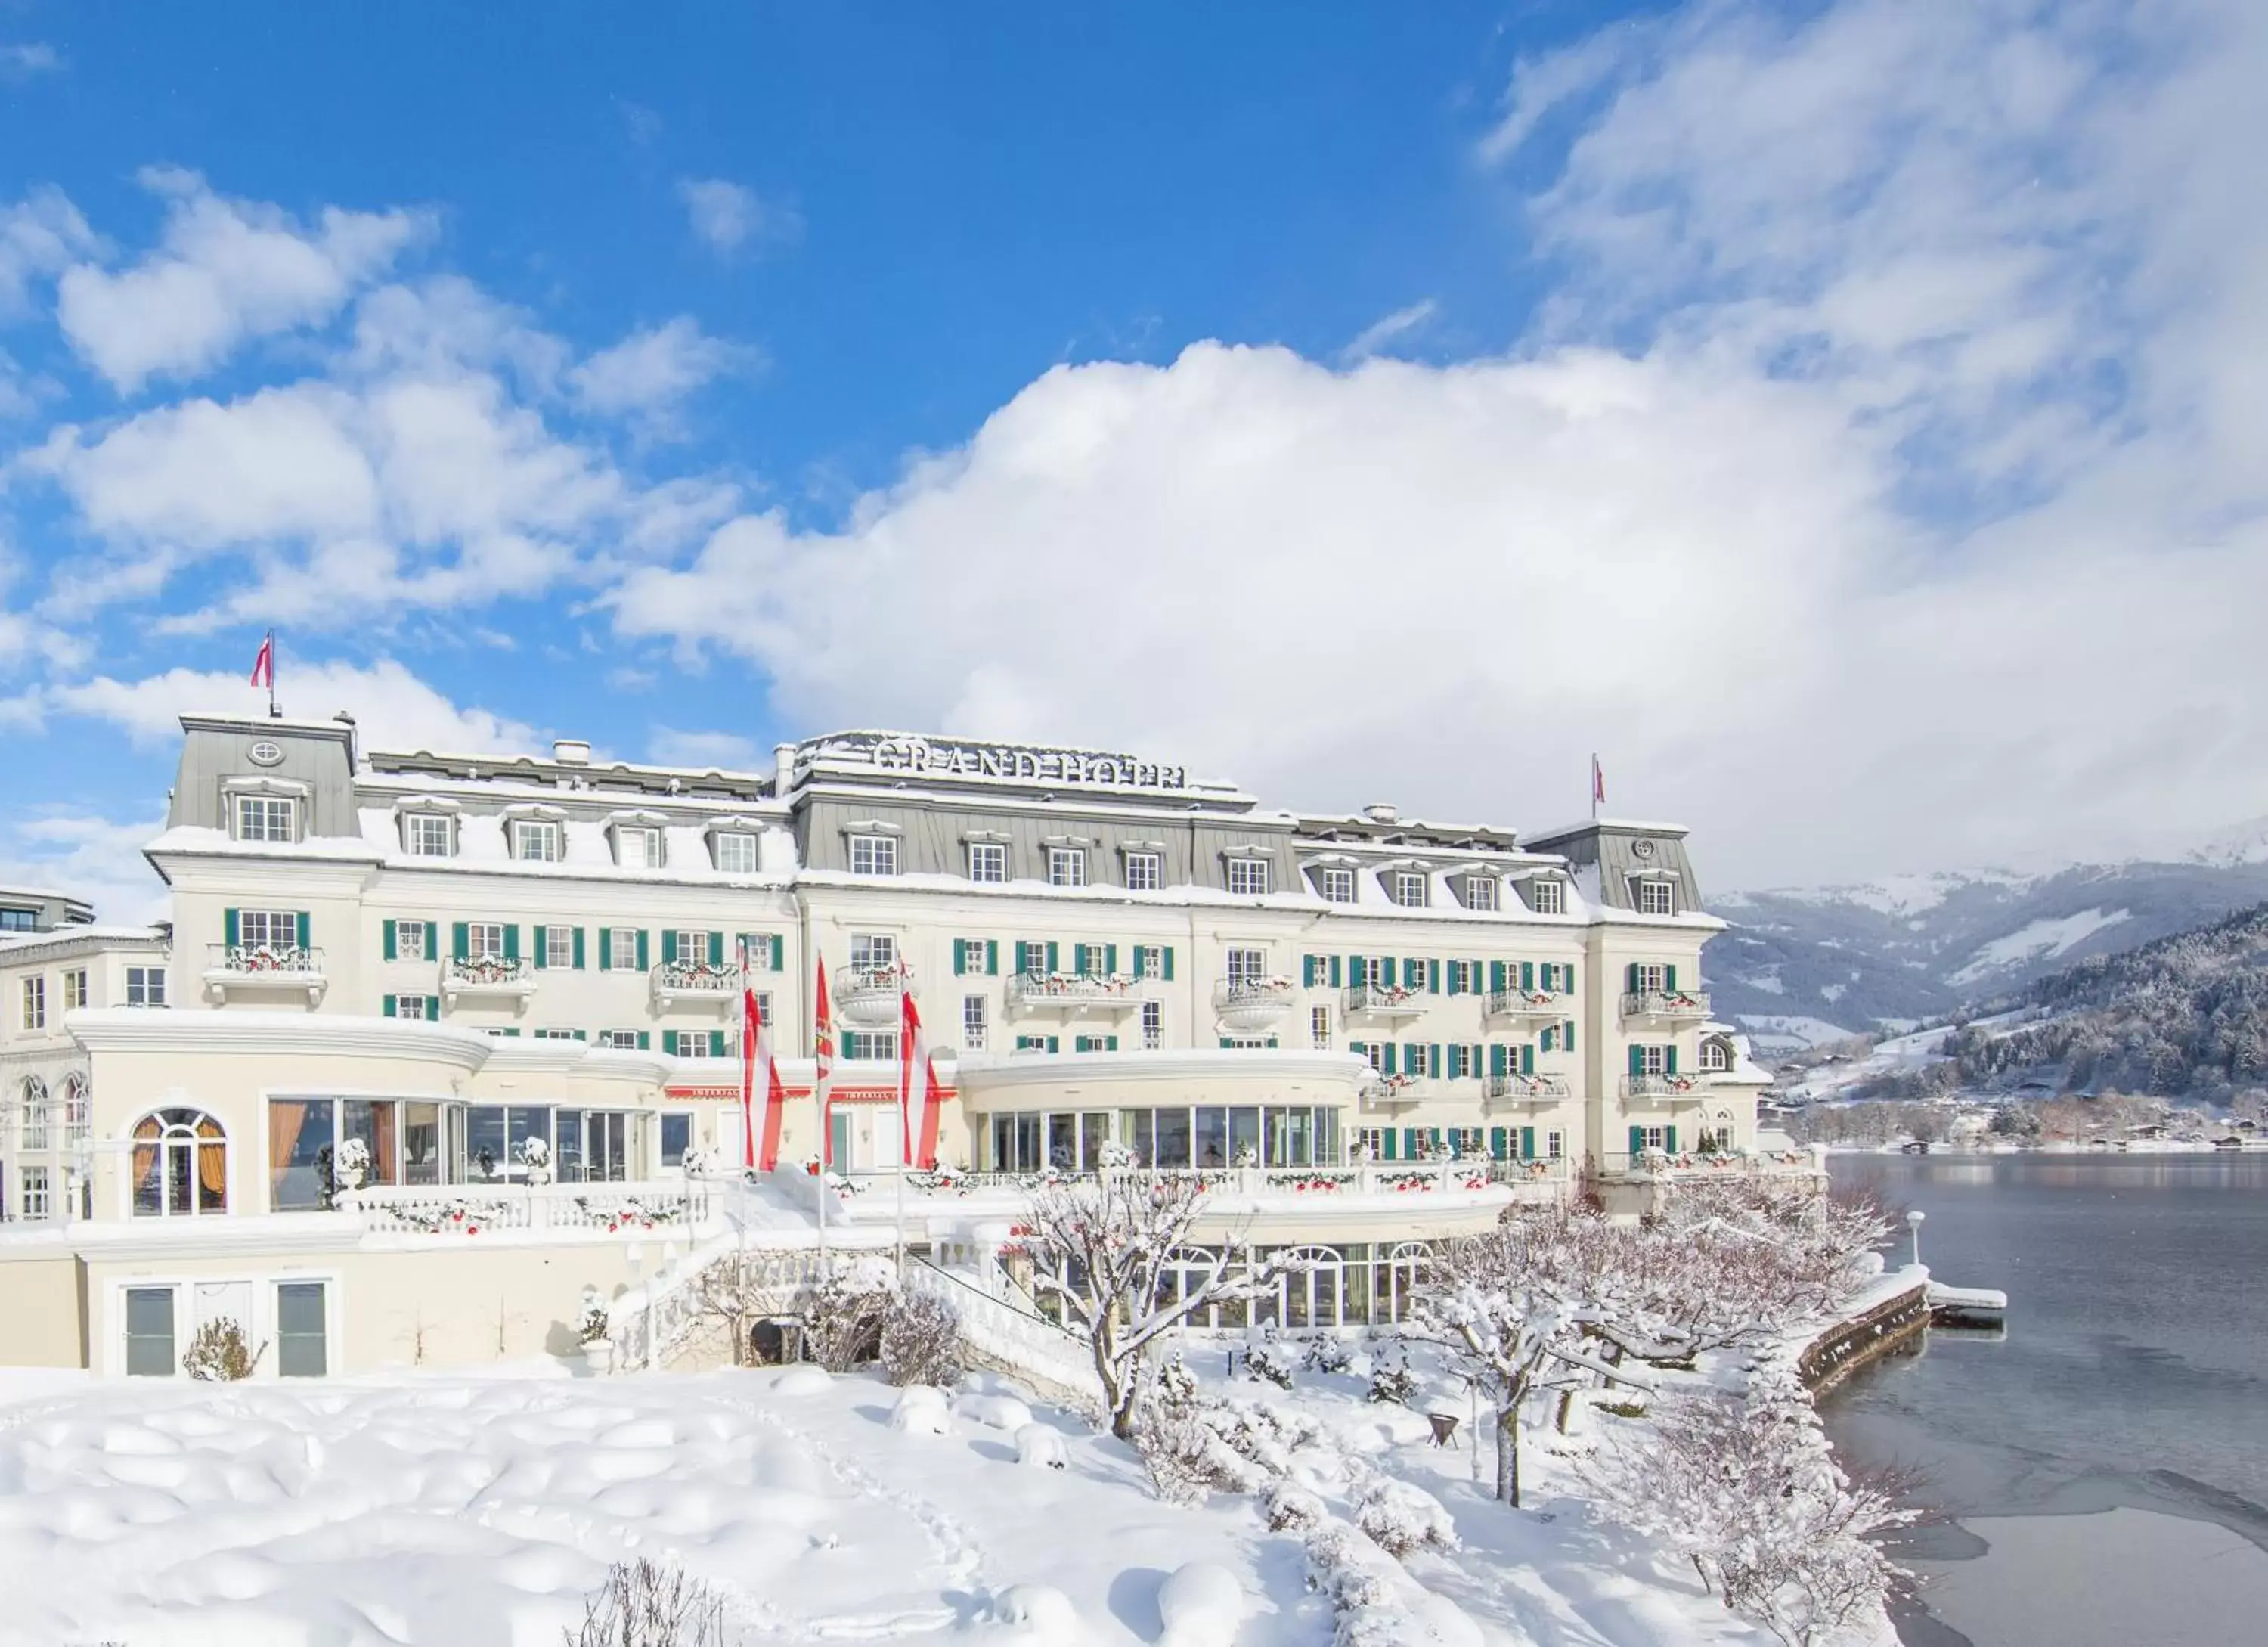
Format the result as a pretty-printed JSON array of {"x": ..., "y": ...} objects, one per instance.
[
  {"x": 1247, "y": 876},
  {"x": 873, "y": 855},
  {"x": 736, "y": 852},
  {"x": 429, "y": 835},
  {"x": 639, "y": 846},
  {"x": 1335, "y": 886},
  {"x": 1409, "y": 888},
  {"x": 1480, "y": 892},
  {"x": 1145, "y": 871},
  {"x": 1547, "y": 897},
  {"x": 988, "y": 863},
  {"x": 266, "y": 818},
  {"x": 1716, "y": 1057},
  {"x": 1655, "y": 898},
  {"x": 538, "y": 840},
  {"x": 1066, "y": 866}
]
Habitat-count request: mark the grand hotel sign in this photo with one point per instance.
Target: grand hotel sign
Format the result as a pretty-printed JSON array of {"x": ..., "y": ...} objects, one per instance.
[{"x": 942, "y": 757}]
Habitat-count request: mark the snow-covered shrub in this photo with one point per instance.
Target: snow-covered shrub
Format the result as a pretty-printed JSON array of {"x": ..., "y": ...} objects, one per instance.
[
  {"x": 1271, "y": 1359},
  {"x": 921, "y": 1410},
  {"x": 1201, "y": 1606},
  {"x": 220, "y": 1353},
  {"x": 536, "y": 1155},
  {"x": 591, "y": 1325},
  {"x": 1264, "y": 1437},
  {"x": 1288, "y": 1508},
  {"x": 1328, "y": 1353},
  {"x": 920, "y": 1341},
  {"x": 1341, "y": 1567},
  {"x": 1176, "y": 1449},
  {"x": 994, "y": 1412},
  {"x": 351, "y": 1165},
  {"x": 843, "y": 1322},
  {"x": 1400, "y": 1517},
  {"x": 1040, "y": 1448},
  {"x": 1390, "y": 1377},
  {"x": 1038, "y": 1613},
  {"x": 647, "y": 1604}
]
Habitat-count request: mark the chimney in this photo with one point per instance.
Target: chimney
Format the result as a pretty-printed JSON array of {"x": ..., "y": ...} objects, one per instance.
[
  {"x": 1381, "y": 812},
  {"x": 783, "y": 768},
  {"x": 572, "y": 752}
]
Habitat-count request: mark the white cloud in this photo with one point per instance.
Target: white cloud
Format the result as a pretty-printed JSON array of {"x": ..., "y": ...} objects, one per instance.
[
  {"x": 1378, "y": 333},
  {"x": 40, "y": 235},
  {"x": 22, "y": 62},
  {"x": 729, "y": 217},
  {"x": 652, "y": 370},
  {"x": 226, "y": 271},
  {"x": 91, "y": 857},
  {"x": 392, "y": 708},
  {"x": 723, "y": 751}
]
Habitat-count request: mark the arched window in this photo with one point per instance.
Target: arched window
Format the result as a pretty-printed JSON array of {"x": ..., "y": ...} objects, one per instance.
[
  {"x": 1716, "y": 1056},
  {"x": 180, "y": 1165},
  {"x": 35, "y": 1113},
  {"x": 1310, "y": 1287},
  {"x": 78, "y": 1110},
  {"x": 1398, "y": 1278}
]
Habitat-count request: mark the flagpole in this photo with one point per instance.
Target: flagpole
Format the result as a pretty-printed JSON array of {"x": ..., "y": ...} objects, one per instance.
[
  {"x": 905, "y": 1081},
  {"x": 274, "y": 713},
  {"x": 822, "y": 1049}
]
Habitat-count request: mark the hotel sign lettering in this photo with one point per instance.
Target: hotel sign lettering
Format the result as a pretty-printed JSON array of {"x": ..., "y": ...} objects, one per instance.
[{"x": 1010, "y": 761}]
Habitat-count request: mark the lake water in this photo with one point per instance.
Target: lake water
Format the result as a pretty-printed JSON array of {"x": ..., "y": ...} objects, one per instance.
[{"x": 2105, "y": 1462}]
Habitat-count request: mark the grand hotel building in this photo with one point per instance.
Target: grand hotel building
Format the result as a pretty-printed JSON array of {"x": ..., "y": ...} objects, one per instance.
[{"x": 403, "y": 997}]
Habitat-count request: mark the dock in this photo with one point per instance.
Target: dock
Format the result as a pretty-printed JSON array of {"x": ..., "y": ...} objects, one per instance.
[{"x": 1967, "y": 1306}]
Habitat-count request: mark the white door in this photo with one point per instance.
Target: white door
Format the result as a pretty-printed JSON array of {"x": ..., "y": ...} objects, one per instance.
[
  {"x": 224, "y": 1300},
  {"x": 876, "y": 1142}
]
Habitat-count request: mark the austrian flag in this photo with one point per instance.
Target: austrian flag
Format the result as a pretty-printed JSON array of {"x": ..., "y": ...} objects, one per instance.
[
  {"x": 758, "y": 1072},
  {"x": 913, "y": 1052}
]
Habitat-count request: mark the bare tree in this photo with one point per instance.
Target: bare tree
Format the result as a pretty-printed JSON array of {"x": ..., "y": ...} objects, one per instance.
[
  {"x": 1114, "y": 1252},
  {"x": 647, "y": 1604}
]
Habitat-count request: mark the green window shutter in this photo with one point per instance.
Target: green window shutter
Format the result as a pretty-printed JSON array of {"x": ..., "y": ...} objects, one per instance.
[
  {"x": 582, "y": 1035},
  {"x": 1496, "y": 977},
  {"x": 1413, "y": 972},
  {"x": 432, "y": 1007},
  {"x": 1527, "y": 1143},
  {"x": 511, "y": 941},
  {"x": 228, "y": 927},
  {"x": 1474, "y": 1052},
  {"x": 1169, "y": 963},
  {"x": 779, "y": 953},
  {"x": 1433, "y": 1064},
  {"x": 668, "y": 945},
  {"x": 1386, "y": 1058},
  {"x": 1669, "y": 978},
  {"x": 1079, "y": 957},
  {"x": 669, "y": 1043},
  {"x": 1055, "y": 1044},
  {"x": 1499, "y": 1141},
  {"x": 716, "y": 1043},
  {"x": 1223, "y": 1043},
  {"x": 1670, "y": 1061},
  {"x": 1386, "y": 1144},
  {"x": 1630, "y": 979},
  {"x": 1433, "y": 976},
  {"x": 1527, "y": 976},
  {"x": 385, "y": 939},
  {"x": 993, "y": 957},
  {"x": 1354, "y": 971},
  {"x": 645, "y": 1040},
  {"x": 716, "y": 948},
  {"x": 1637, "y": 1058},
  {"x": 1021, "y": 956},
  {"x": 541, "y": 946},
  {"x": 1567, "y": 1039},
  {"x": 960, "y": 957},
  {"x": 386, "y": 1002},
  {"x": 1528, "y": 1059},
  {"x": 1109, "y": 1043},
  {"x": 1138, "y": 974},
  {"x": 1053, "y": 963},
  {"x": 1334, "y": 972},
  {"x": 1637, "y": 1141},
  {"x": 1495, "y": 1059},
  {"x": 1567, "y": 974},
  {"x": 578, "y": 949},
  {"x": 606, "y": 948},
  {"x": 643, "y": 964},
  {"x": 1306, "y": 971},
  {"x": 1413, "y": 1142},
  {"x": 459, "y": 945},
  {"x": 1457, "y": 977},
  {"x": 302, "y": 933},
  {"x": 1670, "y": 1139},
  {"x": 1111, "y": 959}
]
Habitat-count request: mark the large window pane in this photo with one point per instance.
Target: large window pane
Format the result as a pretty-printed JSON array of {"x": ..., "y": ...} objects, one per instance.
[
  {"x": 374, "y": 1121},
  {"x": 676, "y": 1139},
  {"x": 300, "y": 1150},
  {"x": 569, "y": 1162},
  {"x": 1213, "y": 1137},
  {"x": 1173, "y": 1139},
  {"x": 421, "y": 1144},
  {"x": 526, "y": 1124},
  {"x": 149, "y": 1332},
  {"x": 1063, "y": 1141},
  {"x": 1093, "y": 1133},
  {"x": 1243, "y": 1133},
  {"x": 487, "y": 1154},
  {"x": 300, "y": 1342}
]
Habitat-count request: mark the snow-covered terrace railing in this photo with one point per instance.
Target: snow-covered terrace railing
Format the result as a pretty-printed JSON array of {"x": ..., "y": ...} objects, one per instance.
[
  {"x": 647, "y": 1323},
  {"x": 1527, "y": 1003},
  {"x": 1007, "y": 1332},
  {"x": 869, "y": 994},
  {"x": 291, "y": 966},
  {"x": 1251, "y": 1004},
  {"x": 871, "y": 1197},
  {"x": 1525, "y": 1088},
  {"x": 1072, "y": 992},
  {"x": 486, "y": 975},
  {"x": 1670, "y": 1088},
  {"x": 696, "y": 978},
  {"x": 1656, "y": 1163},
  {"x": 597, "y": 1210},
  {"x": 1382, "y": 1000},
  {"x": 1666, "y": 1006}
]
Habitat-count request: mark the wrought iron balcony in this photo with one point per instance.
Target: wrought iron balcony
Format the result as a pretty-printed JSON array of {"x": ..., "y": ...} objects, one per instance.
[
  {"x": 695, "y": 981},
  {"x": 263, "y": 966},
  {"x": 1525, "y": 1088},
  {"x": 1666, "y": 1006},
  {"x": 1251, "y": 1006},
  {"x": 1515, "y": 1005},
  {"x": 1072, "y": 994},
  {"x": 1383, "y": 1003},
  {"x": 506, "y": 976},
  {"x": 1665, "y": 1089},
  {"x": 868, "y": 996}
]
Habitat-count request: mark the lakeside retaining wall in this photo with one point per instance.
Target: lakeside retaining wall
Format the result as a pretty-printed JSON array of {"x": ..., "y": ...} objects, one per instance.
[{"x": 1882, "y": 1328}]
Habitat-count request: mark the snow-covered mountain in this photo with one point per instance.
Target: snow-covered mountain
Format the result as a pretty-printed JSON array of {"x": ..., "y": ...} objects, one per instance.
[{"x": 1802, "y": 963}]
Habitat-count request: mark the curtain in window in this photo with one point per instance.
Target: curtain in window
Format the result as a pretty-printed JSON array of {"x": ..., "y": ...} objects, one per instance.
[
  {"x": 146, "y": 1133},
  {"x": 285, "y": 1118}
]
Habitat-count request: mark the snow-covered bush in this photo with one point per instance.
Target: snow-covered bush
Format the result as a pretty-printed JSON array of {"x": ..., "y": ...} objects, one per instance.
[
  {"x": 1400, "y": 1517},
  {"x": 920, "y": 1341},
  {"x": 1265, "y": 1436},
  {"x": 1271, "y": 1359},
  {"x": 1201, "y": 1605},
  {"x": 351, "y": 1165},
  {"x": 921, "y": 1410},
  {"x": 220, "y": 1353},
  {"x": 1176, "y": 1449},
  {"x": 843, "y": 1321},
  {"x": 647, "y": 1604},
  {"x": 1390, "y": 1377},
  {"x": 1328, "y": 1353},
  {"x": 536, "y": 1155},
  {"x": 1288, "y": 1508},
  {"x": 1038, "y": 1447},
  {"x": 590, "y": 1326}
]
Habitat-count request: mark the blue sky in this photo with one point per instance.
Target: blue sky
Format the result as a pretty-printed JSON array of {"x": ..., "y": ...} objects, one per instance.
[{"x": 1364, "y": 402}]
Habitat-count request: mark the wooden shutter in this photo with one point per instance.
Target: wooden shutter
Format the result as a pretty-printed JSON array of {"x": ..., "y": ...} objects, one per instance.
[
  {"x": 992, "y": 956},
  {"x": 1527, "y": 976},
  {"x": 1637, "y": 1141},
  {"x": 1669, "y": 978},
  {"x": 1354, "y": 971},
  {"x": 1496, "y": 977},
  {"x": 578, "y": 949},
  {"x": 543, "y": 945},
  {"x": 1433, "y": 1065},
  {"x": 1630, "y": 979},
  {"x": 1386, "y": 1058},
  {"x": 642, "y": 961},
  {"x": 459, "y": 943},
  {"x": 1433, "y": 976},
  {"x": 432, "y": 1007},
  {"x": 1567, "y": 1036},
  {"x": 1567, "y": 976},
  {"x": 385, "y": 1003},
  {"x": 1334, "y": 972},
  {"x": 1053, "y": 963},
  {"x": 716, "y": 948},
  {"x": 386, "y": 940},
  {"x": 1021, "y": 948},
  {"x": 1670, "y": 1059},
  {"x": 302, "y": 933},
  {"x": 1079, "y": 958},
  {"x": 1637, "y": 1058},
  {"x": 669, "y": 1043},
  {"x": 960, "y": 957},
  {"x": 645, "y": 1040},
  {"x": 606, "y": 948},
  {"x": 1111, "y": 959},
  {"x": 1169, "y": 963},
  {"x": 668, "y": 945},
  {"x": 1527, "y": 1058},
  {"x": 229, "y": 927},
  {"x": 512, "y": 941},
  {"x": 1499, "y": 1140},
  {"x": 1495, "y": 1059},
  {"x": 1670, "y": 1139},
  {"x": 1054, "y": 1043},
  {"x": 779, "y": 953},
  {"x": 1527, "y": 1143},
  {"x": 1306, "y": 971},
  {"x": 716, "y": 1043}
]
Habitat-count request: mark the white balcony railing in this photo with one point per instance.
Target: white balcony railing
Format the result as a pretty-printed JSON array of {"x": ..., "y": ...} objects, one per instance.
[
  {"x": 868, "y": 996},
  {"x": 1383, "y": 1003},
  {"x": 1527, "y": 1003},
  {"x": 1073, "y": 994},
  {"x": 695, "y": 980},
  {"x": 507, "y": 976},
  {"x": 595, "y": 1211},
  {"x": 1665, "y": 1088},
  {"x": 261, "y": 966},
  {"x": 1251, "y": 1006},
  {"x": 1526, "y": 1089},
  {"x": 1388, "y": 1091},
  {"x": 1688, "y": 1164},
  {"x": 1666, "y": 1006}
]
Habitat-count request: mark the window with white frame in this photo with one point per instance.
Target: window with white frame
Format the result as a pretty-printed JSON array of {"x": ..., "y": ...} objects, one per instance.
[
  {"x": 640, "y": 848},
  {"x": 1066, "y": 866},
  {"x": 1153, "y": 1024},
  {"x": 74, "y": 989},
  {"x": 78, "y": 1109},
  {"x": 622, "y": 949},
  {"x": 484, "y": 939},
  {"x": 1650, "y": 978},
  {"x": 1555, "y": 1145},
  {"x": 554, "y": 1034},
  {"x": 1247, "y": 876},
  {"x": 1654, "y": 1060},
  {"x": 693, "y": 1044},
  {"x": 736, "y": 852},
  {"x": 1247, "y": 967},
  {"x": 1409, "y": 888},
  {"x": 872, "y": 951},
  {"x": 620, "y": 1040},
  {"x": 268, "y": 929},
  {"x": 1461, "y": 1061},
  {"x": 146, "y": 985},
  {"x": 1656, "y": 898},
  {"x": 988, "y": 863},
  {"x": 873, "y": 855},
  {"x": 429, "y": 835},
  {"x": 36, "y": 1202},
  {"x": 1464, "y": 977},
  {"x": 1376, "y": 973},
  {"x": 34, "y": 1133},
  {"x": 758, "y": 947},
  {"x": 1547, "y": 897},
  {"x": 691, "y": 947},
  {"x": 1374, "y": 1053},
  {"x": 1336, "y": 886},
  {"x": 972, "y": 1022},
  {"x": 409, "y": 940},
  {"x": 1149, "y": 960},
  {"x": 1724, "y": 1137},
  {"x": 1714, "y": 1057},
  {"x": 559, "y": 946},
  {"x": 1654, "y": 1137},
  {"x": 872, "y": 1046},
  {"x": 265, "y": 817},
  {"x": 1319, "y": 1027},
  {"x": 1480, "y": 891},
  {"x": 538, "y": 840},
  {"x": 1145, "y": 872},
  {"x": 410, "y": 1006}
]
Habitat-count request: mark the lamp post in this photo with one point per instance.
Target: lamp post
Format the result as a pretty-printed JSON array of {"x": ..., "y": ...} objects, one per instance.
[{"x": 1913, "y": 1226}]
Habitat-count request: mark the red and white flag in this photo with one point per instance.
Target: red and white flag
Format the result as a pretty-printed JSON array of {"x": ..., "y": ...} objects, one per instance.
[
  {"x": 913, "y": 1052},
  {"x": 758, "y": 1073},
  {"x": 1598, "y": 783},
  {"x": 263, "y": 666},
  {"x": 822, "y": 1053}
]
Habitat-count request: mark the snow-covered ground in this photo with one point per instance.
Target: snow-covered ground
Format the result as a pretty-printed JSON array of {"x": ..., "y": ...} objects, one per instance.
[
  {"x": 458, "y": 1513},
  {"x": 2036, "y": 941},
  {"x": 1783, "y": 1032}
]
